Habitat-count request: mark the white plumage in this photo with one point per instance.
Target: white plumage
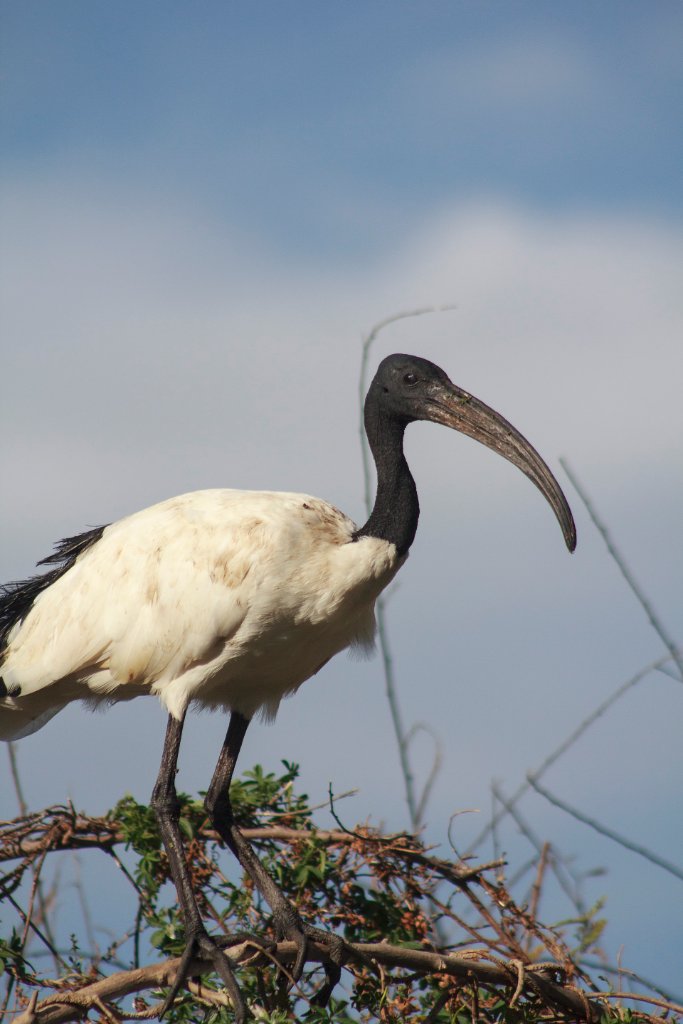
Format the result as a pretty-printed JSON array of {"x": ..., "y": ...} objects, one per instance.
[{"x": 231, "y": 597}]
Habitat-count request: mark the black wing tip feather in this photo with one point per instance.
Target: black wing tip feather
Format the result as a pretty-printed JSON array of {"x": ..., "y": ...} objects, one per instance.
[
  {"x": 68, "y": 549},
  {"x": 16, "y": 599}
]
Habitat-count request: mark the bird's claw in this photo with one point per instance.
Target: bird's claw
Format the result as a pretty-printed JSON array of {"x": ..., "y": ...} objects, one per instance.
[
  {"x": 200, "y": 946},
  {"x": 336, "y": 950},
  {"x": 301, "y": 934}
]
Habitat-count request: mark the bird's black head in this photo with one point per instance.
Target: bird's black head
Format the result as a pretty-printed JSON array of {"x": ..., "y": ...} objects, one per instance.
[
  {"x": 408, "y": 388},
  {"x": 404, "y": 385}
]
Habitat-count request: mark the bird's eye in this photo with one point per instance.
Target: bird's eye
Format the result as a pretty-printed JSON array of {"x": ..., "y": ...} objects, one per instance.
[{"x": 410, "y": 379}]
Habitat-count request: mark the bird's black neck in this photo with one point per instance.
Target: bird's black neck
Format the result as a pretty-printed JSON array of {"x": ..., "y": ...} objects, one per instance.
[{"x": 396, "y": 510}]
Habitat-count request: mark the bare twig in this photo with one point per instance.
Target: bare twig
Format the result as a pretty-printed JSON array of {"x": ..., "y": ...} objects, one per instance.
[
  {"x": 16, "y": 782},
  {"x": 538, "y": 880},
  {"x": 626, "y": 972},
  {"x": 565, "y": 883},
  {"x": 563, "y": 747},
  {"x": 36, "y": 930},
  {"x": 636, "y": 997},
  {"x": 368, "y": 341},
  {"x": 37, "y": 887},
  {"x": 628, "y": 844},
  {"x": 654, "y": 619},
  {"x": 23, "y": 810},
  {"x": 415, "y": 806},
  {"x": 434, "y": 770}
]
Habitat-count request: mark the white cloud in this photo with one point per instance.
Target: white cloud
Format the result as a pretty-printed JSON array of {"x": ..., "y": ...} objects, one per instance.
[{"x": 149, "y": 352}]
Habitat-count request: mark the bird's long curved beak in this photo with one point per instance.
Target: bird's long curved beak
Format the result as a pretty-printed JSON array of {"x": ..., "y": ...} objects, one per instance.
[{"x": 453, "y": 407}]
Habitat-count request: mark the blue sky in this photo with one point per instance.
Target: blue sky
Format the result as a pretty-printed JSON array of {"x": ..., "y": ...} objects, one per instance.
[
  {"x": 264, "y": 113},
  {"x": 205, "y": 206}
]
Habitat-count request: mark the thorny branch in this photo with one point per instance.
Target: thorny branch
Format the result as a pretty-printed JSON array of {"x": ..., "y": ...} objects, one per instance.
[
  {"x": 541, "y": 977},
  {"x": 365, "y": 870},
  {"x": 62, "y": 828}
]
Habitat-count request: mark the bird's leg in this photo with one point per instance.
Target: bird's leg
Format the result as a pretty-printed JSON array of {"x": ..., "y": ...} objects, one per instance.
[
  {"x": 199, "y": 944},
  {"x": 287, "y": 920}
]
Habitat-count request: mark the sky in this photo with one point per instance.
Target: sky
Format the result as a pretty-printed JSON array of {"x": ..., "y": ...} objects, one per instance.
[{"x": 205, "y": 208}]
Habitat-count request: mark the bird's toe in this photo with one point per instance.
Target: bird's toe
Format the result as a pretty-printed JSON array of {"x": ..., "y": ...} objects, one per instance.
[
  {"x": 302, "y": 935},
  {"x": 200, "y": 946}
]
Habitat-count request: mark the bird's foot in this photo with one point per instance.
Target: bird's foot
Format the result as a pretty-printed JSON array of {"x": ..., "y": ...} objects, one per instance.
[
  {"x": 290, "y": 926},
  {"x": 336, "y": 951},
  {"x": 200, "y": 946}
]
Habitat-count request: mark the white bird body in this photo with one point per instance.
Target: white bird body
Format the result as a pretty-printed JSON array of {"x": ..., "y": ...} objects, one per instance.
[{"x": 230, "y": 598}]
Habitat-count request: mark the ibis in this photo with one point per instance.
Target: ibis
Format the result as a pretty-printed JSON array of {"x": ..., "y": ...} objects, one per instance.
[{"x": 230, "y": 600}]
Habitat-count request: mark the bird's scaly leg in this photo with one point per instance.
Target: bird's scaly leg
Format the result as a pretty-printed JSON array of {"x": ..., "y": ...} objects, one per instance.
[
  {"x": 287, "y": 920},
  {"x": 199, "y": 944}
]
